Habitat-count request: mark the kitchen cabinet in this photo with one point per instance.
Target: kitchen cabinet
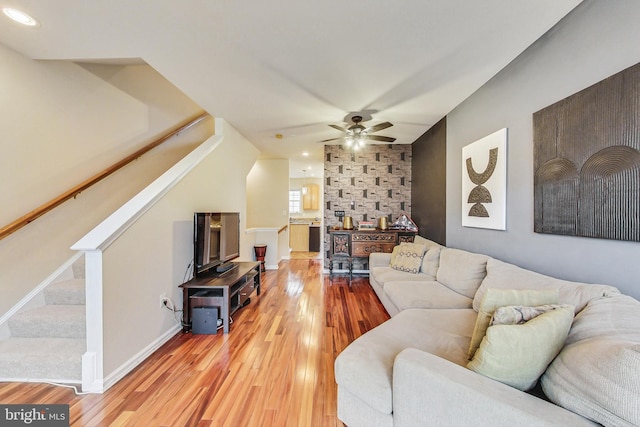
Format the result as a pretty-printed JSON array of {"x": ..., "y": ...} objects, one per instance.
[
  {"x": 311, "y": 199},
  {"x": 299, "y": 237}
]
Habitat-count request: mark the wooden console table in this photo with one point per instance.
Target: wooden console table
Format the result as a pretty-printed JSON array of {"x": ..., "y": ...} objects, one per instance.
[
  {"x": 228, "y": 291},
  {"x": 345, "y": 245}
]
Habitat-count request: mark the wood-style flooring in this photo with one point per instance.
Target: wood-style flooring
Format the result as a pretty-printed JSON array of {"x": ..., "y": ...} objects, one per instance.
[
  {"x": 275, "y": 368},
  {"x": 305, "y": 255}
]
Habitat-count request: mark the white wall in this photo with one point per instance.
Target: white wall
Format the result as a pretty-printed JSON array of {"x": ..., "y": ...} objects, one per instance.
[
  {"x": 60, "y": 125},
  {"x": 268, "y": 208},
  {"x": 598, "y": 39},
  {"x": 153, "y": 256},
  {"x": 268, "y": 193}
]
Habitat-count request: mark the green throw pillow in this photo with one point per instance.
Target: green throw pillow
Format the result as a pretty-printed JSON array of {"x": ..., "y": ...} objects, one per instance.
[
  {"x": 517, "y": 355},
  {"x": 495, "y": 298}
]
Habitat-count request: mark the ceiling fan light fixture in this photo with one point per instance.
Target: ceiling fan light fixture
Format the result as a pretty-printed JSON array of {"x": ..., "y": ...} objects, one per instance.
[{"x": 357, "y": 135}]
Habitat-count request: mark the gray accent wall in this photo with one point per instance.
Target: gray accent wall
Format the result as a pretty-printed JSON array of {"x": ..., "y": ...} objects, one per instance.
[
  {"x": 429, "y": 183},
  {"x": 598, "y": 39}
]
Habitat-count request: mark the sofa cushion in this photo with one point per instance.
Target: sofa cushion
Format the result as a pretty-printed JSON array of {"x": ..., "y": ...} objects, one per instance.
[
  {"x": 428, "y": 243},
  {"x": 617, "y": 316},
  {"x": 424, "y": 294},
  {"x": 461, "y": 271},
  {"x": 597, "y": 374},
  {"x": 597, "y": 379},
  {"x": 365, "y": 367},
  {"x": 408, "y": 257},
  {"x": 431, "y": 262},
  {"x": 385, "y": 275},
  {"x": 508, "y": 276},
  {"x": 518, "y": 354},
  {"x": 495, "y": 298}
]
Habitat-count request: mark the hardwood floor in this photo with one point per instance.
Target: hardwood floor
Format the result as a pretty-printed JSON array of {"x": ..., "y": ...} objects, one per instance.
[
  {"x": 275, "y": 368},
  {"x": 305, "y": 255}
]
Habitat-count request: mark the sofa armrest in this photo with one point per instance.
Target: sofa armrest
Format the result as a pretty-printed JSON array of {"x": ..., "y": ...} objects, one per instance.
[
  {"x": 431, "y": 391},
  {"x": 379, "y": 259}
]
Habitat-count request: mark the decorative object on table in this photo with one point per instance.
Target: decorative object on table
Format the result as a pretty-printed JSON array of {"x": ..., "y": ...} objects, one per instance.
[
  {"x": 347, "y": 223},
  {"x": 484, "y": 182},
  {"x": 383, "y": 223},
  {"x": 366, "y": 225},
  {"x": 587, "y": 161},
  {"x": 403, "y": 222}
]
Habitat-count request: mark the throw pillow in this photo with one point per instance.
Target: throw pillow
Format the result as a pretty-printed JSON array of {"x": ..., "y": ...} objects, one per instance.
[
  {"x": 518, "y": 314},
  {"x": 408, "y": 257},
  {"x": 597, "y": 378},
  {"x": 431, "y": 261},
  {"x": 461, "y": 271},
  {"x": 495, "y": 298},
  {"x": 517, "y": 355}
]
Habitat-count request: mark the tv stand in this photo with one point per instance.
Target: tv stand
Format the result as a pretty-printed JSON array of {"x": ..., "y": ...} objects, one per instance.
[{"x": 229, "y": 291}]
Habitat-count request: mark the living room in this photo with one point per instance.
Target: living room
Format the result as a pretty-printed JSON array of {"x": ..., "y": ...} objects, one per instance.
[{"x": 597, "y": 40}]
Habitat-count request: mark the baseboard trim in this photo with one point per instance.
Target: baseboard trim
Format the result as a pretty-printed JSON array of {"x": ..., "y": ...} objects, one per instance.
[{"x": 132, "y": 363}]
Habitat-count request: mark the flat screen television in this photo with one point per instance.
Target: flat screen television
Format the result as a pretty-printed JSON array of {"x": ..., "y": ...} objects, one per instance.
[{"x": 216, "y": 241}]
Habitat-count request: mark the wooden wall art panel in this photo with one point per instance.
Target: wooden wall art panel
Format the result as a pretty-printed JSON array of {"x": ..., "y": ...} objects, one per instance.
[{"x": 587, "y": 161}]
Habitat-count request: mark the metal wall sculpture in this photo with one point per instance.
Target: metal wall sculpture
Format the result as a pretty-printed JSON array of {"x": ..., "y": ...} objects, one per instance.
[
  {"x": 587, "y": 161},
  {"x": 484, "y": 193}
]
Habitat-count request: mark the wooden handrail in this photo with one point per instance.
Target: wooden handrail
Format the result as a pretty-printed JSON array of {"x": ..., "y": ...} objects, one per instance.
[
  {"x": 284, "y": 227},
  {"x": 73, "y": 192}
]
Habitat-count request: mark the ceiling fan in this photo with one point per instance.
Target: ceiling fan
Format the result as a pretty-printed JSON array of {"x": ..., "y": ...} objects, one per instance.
[{"x": 357, "y": 135}]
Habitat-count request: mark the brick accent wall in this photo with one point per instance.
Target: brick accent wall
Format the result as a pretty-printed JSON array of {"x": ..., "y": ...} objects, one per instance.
[{"x": 367, "y": 184}]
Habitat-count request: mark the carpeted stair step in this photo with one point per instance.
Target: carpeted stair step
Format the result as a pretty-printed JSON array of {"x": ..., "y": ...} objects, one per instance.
[
  {"x": 52, "y": 321},
  {"x": 68, "y": 292},
  {"x": 42, "y": 358}
]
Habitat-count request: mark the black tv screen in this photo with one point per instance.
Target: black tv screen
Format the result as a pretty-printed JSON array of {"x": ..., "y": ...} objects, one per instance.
[{"x": 216, "y": 240}]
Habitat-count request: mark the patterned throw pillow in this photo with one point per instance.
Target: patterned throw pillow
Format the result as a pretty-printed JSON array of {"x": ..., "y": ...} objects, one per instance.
[{"x": 408, "y": 257}]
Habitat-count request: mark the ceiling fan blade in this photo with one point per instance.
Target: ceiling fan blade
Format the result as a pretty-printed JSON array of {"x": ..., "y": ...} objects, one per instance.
[
  {"x": 380, "y": 138},
  {"x": 330, "y": 139},
  {"x": 341, "y": 129},
  {"x": 379, "y": 126}
]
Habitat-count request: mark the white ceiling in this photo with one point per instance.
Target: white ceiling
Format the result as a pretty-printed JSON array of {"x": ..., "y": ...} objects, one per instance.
[{"x": 293, "y": 67}]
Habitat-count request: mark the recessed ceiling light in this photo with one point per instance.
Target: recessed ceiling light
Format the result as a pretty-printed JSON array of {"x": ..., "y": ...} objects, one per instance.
[
  {"x": 305, "y": 154},
  {"x": 20, "y": 17}
]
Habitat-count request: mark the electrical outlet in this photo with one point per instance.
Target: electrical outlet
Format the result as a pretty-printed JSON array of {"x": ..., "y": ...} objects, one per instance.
[{"x": 164, "y": 300}]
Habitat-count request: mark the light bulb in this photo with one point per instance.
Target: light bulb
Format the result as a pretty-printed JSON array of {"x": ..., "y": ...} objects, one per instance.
[{"x": 20, "y": 17}]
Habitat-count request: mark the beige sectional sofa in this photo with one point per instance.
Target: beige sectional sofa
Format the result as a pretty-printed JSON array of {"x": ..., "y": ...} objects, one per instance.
[{"x": 412, "y": 369}]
